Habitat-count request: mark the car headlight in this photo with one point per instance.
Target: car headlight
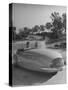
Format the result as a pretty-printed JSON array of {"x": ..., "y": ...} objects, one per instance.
[
  {"x": 57, "y": 63},
  {"x": 19, "y": 51}
]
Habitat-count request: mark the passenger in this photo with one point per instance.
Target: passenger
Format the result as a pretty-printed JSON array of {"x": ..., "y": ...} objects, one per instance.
[
  {"x": 27, "y": 45},
  {"x": 36, "y": 44}
]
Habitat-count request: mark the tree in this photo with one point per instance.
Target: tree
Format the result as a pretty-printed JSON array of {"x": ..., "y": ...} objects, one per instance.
[
  {"x": 36, "y": 28},
  {"x": 22, "y": 34},
  {"x": 27, "y": 30},
  {"x": 64, "y": 20},
  {"x": 56, "y": 25},
  {"x": 42, "y": 27},
  {"x": 13, "y": 33},
  {"x": 48, "y": 25}
]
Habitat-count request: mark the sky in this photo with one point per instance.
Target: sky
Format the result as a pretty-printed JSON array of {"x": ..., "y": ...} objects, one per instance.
[{"x": 28, "y": 15}]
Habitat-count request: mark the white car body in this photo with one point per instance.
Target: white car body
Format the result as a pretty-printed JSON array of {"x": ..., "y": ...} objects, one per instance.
[{"x": 40, "y": 60}]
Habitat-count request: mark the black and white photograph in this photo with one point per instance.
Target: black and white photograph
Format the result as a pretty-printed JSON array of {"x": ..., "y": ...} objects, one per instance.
[{"x": 37, "y": 44}]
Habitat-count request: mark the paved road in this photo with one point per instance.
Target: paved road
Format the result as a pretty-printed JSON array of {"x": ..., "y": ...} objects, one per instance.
[
  {"x": 22, "y": 76},
  {"x": 59, "y": 78}
]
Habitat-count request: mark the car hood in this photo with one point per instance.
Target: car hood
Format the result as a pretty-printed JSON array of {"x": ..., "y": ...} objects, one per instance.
[{"x": 47, "y": 52}]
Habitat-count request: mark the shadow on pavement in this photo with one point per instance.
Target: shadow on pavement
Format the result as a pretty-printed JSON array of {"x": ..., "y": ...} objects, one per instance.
[{"x": 22, "y": 76}]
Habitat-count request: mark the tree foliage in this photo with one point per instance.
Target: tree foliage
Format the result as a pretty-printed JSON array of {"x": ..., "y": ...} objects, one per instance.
[
  {"x": 42, "y": 27},
  {"x": 36, "y": 28},
  {"x": 64, "y": 20},
  {"x": 57, "y": 25},
  {"x": 48, "y": 25}
]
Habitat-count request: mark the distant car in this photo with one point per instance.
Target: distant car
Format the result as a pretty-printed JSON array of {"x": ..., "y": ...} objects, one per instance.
[
  {"x": 61, "y": 45},
  {"x": 43, "y": 60},
  {"x": 56, "y": 45}
]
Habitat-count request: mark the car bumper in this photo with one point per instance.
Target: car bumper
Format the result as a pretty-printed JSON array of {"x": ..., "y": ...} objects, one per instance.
[{"x": 52, "y": 69}]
